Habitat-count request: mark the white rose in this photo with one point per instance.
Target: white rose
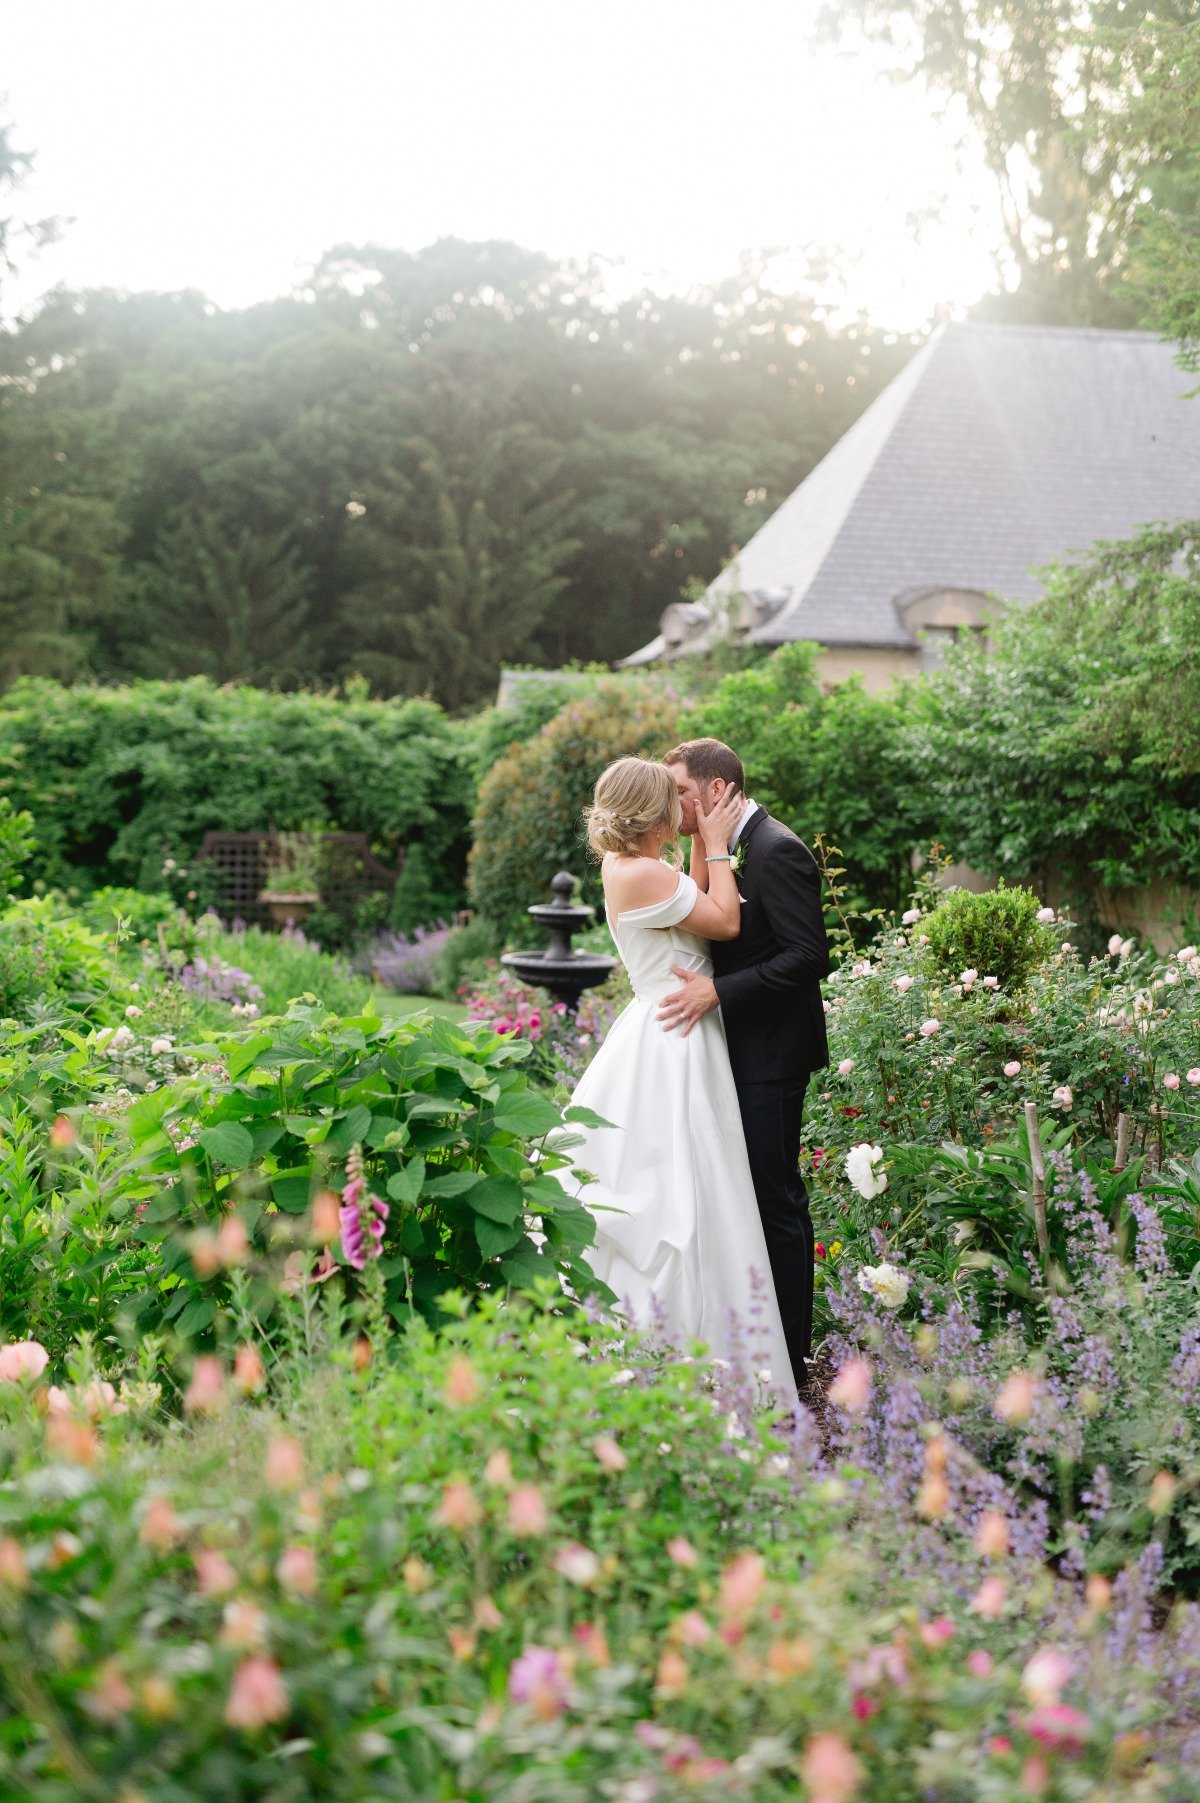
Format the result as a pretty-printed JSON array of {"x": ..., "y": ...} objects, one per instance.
[
  {"x": 885, "y": 1284},
  {"x": 929, "y": 1028},
  {"x": 845, "y": 1067},
  {"x": 864, "y": 1170},
  {"x": 991, "y": 982},
  {"x": 967, "y": 977},
  {"x": 133, "y": 1012},
  {"x": 160, "y": 1046},
  {"x": 1063, "y": 1097},
  {"x": 1045, "y": 916},
  {"x": 904, "y": 984},
  {"x": 1186, "y": 954},
  {"x": 911, "y": 916}
]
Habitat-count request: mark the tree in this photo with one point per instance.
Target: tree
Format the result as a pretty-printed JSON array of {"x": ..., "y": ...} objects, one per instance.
[
  {"x": 1033, "y": 75},
  {"x": 1152, "y": 125},
  {"x": 230, "y": 605},
  {"x": 460, "y": 554},
  {"x": 17, "y": 234}
]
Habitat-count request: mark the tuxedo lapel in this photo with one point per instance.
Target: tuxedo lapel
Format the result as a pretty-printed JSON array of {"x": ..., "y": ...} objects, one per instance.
[{"x": 747, "y": 833}]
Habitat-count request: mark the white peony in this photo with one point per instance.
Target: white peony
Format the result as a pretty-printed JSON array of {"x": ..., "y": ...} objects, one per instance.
[
  {"x": 884, "y": 1284},
  {"x": 864, "y": 1170},
  {"x": 1045, "y": 915}
]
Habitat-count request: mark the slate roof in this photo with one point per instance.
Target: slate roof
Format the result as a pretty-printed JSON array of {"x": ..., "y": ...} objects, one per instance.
[{"x": 996, "y": 449}]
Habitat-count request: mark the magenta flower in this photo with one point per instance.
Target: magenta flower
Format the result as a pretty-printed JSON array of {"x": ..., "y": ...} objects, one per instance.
[
  {"x": 362, "y": 1217},
  {"x": 539, "y": 1677},
  {"x": 1059, "y": 1728}
]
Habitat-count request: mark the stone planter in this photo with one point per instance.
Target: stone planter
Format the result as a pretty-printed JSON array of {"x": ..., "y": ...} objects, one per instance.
[{"x": 290, "y": 910}]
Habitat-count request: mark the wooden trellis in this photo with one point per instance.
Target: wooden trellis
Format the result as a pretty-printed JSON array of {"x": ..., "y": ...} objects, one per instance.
[{"x": 349, "y": 872}]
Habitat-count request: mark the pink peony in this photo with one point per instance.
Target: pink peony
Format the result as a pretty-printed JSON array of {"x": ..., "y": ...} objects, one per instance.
[
  {"x": 527, "y": 1511},
  {"x": 742, "y": 1584},
  {"x": 991, "y": 1535},
  {"x": 1015, "y": 1401},
  {"x": 297, "y": 1569},
  {"x": 980, "y": 1663},
  {"x": 1045, "y": 1676},
  {"x": 1013, "y": 1068},
  {"x": 851, "y": 1388},
  {"x": 215, "y": 1576},
  {"x": 462, "y": 1386},
  {"x": 845, "y": 1067},
  {"x": 989, "y": 1599},
  {"x": 257, "y": 1695},
  {"x": 1193, "y": 1076},
  {"x": 609, "y": 1453},
  {"x": 1171, "y": 1080},
  {"x": 22, "y": 1358},
  {"x": 829, "y": 1769},
  {"x": 904, "y": 984},
  {"x": 459, "y": 1508},
  {"x": 283, "y": 1467},
  {"x": 937, "y": 1632},
  {"x": 1059, "y": 1728},
  {"x": 1045, "y": 916},
  {"x": 206, "y": 1392},
  {"x": 930, "y": 1027},
  {"x": 577, "y": 1563},
  {"x": 539, "y": 1678},
  {"x": 1063, "y": 1097}
]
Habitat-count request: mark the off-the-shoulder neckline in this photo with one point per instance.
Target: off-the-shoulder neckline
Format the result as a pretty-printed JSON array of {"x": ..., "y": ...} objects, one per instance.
[{"x": 649, "y": 908}]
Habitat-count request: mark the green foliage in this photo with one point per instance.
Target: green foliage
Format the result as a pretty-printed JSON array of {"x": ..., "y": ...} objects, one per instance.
[
  {"x": 50, "y": 961},
  {"x": 105, "y": 910},
  {"x": 1040, "y": 85},
  {"x": 427, "y": 466},
  {"x": 996, "y": 933},
  {"x": 255, "y": 1129},
  {"x": 123, "y": 778},
  {"x": 662, "y": 1577},
  {"x": 1068, "y": 749},
  {"x": 836, "y": 763},
  {"x": 289, "y": 964},
  {"x": 17, "y": 843},
  {"x": 528, "y": 822}
]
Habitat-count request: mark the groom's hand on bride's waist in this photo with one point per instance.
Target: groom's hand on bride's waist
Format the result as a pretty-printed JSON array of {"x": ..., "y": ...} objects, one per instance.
[{"x": 696, "y": 997}]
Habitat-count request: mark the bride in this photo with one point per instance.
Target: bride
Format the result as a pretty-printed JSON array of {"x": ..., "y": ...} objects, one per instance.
[{"x": 678, "y": 1233}]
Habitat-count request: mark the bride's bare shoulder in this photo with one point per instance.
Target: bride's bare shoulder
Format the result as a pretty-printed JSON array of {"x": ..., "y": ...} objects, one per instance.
[{"x": 637, "y": 882}]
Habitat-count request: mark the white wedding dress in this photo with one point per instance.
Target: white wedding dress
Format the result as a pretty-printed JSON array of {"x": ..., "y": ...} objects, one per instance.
[{"x": 683, "y": 1249}]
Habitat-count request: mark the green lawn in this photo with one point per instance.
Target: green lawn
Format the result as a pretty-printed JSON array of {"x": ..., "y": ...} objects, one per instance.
[{"x": 416, "y": 1004}]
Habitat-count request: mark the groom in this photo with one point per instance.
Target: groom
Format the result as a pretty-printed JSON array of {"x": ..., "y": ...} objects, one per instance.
[{"x": 767, "y": 985}]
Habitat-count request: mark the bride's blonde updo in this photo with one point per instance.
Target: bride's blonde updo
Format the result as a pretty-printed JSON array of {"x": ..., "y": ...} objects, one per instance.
[{"x": 632, "y": 798}]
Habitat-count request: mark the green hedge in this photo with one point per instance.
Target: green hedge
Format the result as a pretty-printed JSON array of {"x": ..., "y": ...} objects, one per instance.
[
  {"x": 117, "y": 779},
  {"x": 529, "y": 821}
]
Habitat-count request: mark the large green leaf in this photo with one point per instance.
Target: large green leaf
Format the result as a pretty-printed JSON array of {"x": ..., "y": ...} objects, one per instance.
[
  {"x": 349, "y": 1131},
  {"x": 454, "y": 1183},
  {"x": 291, "y": 1190},
  {"x": 584, "y": 1117},
  {"x": 406, "y": 1185},
  {"x": 493, "y": 1237},
  {"x": 499, "y": 1198},
  {"x": 229, "y": 1143},
  {"x": 199, "y": 1314},
  {"x": 246, "y": 1056},
  {"x": 528, "y": 1115},
  {"x": 146, "y": 1113}
]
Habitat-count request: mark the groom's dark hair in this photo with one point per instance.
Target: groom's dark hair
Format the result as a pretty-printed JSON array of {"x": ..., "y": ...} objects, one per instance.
[{"x": 707, "y": 759}]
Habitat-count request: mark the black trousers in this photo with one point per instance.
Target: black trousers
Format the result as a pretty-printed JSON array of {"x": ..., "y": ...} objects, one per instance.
[{"x": 771, "y": 1117}]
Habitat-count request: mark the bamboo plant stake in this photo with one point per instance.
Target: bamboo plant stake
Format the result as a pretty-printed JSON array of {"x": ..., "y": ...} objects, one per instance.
[
  {"x": 1121, "y": 1158},
  {"x": 1038, "y": 1163}
]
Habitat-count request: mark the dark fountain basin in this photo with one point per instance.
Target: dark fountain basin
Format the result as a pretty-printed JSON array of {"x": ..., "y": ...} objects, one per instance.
[{"x": 565, "y": 973}]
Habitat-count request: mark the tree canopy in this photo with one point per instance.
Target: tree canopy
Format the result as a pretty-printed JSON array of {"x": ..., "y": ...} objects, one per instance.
[{"x": 420, "y": 468}]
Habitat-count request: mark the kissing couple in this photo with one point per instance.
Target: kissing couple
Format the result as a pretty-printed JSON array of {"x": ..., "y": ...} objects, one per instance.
[{"x": 700, "y": 1196}]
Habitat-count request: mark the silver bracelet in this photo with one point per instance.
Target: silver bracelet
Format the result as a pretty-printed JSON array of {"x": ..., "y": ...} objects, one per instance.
[{"x": 724, "y": 857}]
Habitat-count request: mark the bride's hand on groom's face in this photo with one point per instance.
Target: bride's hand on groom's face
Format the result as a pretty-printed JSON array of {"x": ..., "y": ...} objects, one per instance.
[{"x": 717, "y": 826}]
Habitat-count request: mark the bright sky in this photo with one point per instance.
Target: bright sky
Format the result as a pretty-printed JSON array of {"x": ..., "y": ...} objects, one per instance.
[{"x": 224, "y": 144}]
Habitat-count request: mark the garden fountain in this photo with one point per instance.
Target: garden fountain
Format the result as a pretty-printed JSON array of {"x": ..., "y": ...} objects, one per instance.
[{"x": 565, "y": 973}]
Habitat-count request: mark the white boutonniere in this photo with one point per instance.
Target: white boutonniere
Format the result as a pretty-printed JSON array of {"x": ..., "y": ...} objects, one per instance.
[{"x": 738, "y": 860}]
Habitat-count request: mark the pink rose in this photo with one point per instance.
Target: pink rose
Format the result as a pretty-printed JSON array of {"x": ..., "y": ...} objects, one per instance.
[{"x": 22, "y": 1358}]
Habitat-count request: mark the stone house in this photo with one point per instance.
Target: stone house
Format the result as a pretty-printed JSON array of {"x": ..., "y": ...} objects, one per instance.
[{"x": 997, "y": 449}]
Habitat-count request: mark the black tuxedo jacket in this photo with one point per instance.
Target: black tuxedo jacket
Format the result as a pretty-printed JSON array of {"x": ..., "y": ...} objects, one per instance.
[{"x": 768, "y": 979}]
